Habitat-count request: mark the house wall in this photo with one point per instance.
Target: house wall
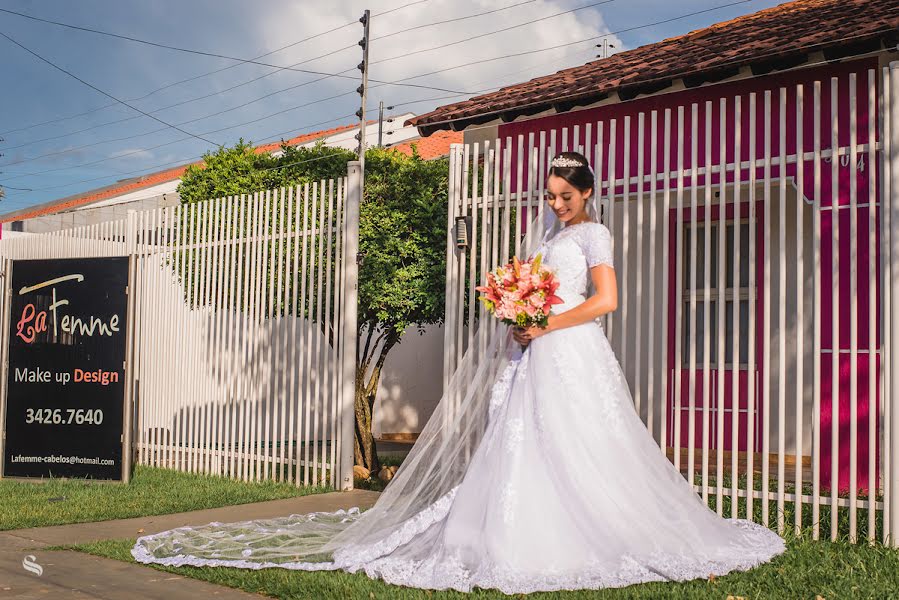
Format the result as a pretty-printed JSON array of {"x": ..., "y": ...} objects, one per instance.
[
  {"x": 411, "y": 384},
  {"x": 96, "y": 213},
  {"x": 637, "y": 321},
  {"x": 626, "y": 153}
]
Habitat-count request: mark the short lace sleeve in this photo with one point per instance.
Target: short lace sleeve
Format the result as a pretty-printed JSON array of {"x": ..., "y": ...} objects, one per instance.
[{"x": 598, "y": 246}]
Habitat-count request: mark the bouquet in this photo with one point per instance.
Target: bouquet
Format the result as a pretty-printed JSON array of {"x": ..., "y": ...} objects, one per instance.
[{"x": 521, "y": 293}]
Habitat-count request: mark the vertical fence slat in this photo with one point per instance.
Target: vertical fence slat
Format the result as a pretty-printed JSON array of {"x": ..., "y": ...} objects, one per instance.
[
  {"x": 800, "y": 308},
  {"x": 735, "y": 389},
  {"x": 835, "y": 341},
  {"x": 853, "y": 312},
  {"x": 665, "y": 397},
  {"x": 817, "y": 355},
  {"x": 872, "y": 308}
]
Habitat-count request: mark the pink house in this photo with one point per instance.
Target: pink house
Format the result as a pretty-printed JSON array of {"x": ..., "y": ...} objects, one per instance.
[{"x": 741, "y": 117}]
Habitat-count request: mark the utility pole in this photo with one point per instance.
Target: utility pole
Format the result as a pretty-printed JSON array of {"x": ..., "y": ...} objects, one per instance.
[{"x": 363, "y": 91}]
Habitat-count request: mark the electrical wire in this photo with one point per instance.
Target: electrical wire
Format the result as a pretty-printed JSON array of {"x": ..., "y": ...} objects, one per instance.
[
  {"x": 470, "y": 128},
  {"x": 211, "y": 54},
  {"x": 182, "y": 81},
  {"x": 194, "y": 78},
  {"x": 489, "y": 33},
  {"x": 563, "y": 45},
  {"x": 152, "y": 169},
  {"x": 291, "y": 87},
  {"x": 141, "y": 150},
  {"x": 453, "y": 20},
  {"x": 567, "y": 44},
  {"x": 95, "y": 88}
]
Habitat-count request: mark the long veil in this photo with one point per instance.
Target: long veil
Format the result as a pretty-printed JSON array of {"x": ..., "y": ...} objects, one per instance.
[{"x": 424, "y": 483}]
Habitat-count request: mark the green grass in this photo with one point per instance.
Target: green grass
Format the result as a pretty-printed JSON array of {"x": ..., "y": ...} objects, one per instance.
[
  {"x": 807, "y": 569},
  {"x": 152, "y": 491}
]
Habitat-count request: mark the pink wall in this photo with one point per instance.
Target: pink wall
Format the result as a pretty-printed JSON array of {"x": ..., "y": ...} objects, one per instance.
[{"x": 777, "y": 135}]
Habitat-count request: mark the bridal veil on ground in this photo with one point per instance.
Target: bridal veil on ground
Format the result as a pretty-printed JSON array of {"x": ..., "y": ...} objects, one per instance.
[{"x": 535, "y": 473}]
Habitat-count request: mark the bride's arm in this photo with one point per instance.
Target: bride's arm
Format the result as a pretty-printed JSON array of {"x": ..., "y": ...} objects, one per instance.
[{"x": 605, "y": 300}]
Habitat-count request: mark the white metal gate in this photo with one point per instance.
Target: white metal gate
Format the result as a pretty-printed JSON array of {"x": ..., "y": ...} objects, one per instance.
[
  {"x": 244, "y": 329},
  {"x": 740, "y": 234}
]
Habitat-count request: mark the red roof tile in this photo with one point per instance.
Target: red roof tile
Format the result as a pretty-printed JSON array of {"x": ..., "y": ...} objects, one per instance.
[
  {"x": 145, "y": 181},
  {"x": 775, "y": 38},
  {"x": 116, "y": 189},
  {"x": 433, "y": 146},
  {"x": 310, "y": 137}
]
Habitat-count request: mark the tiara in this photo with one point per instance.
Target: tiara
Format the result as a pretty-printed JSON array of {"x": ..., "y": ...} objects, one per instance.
[{"x": 564, "y": 161}]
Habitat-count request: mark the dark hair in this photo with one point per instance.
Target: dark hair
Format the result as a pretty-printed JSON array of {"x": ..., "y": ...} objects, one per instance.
[{"x": 579, "y": 177}]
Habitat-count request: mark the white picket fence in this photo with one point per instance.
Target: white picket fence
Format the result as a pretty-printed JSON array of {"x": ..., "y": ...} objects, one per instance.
[
  {"x": 757, "y": 437},
  {"x": 243, "y": 312}
]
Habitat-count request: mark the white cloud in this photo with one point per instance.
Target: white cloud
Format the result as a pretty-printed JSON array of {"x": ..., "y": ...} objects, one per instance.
[{"x": 549, "y": 32}]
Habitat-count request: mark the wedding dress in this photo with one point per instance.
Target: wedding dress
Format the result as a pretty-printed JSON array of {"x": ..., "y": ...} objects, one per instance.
[{"x": 534, "y": 474}]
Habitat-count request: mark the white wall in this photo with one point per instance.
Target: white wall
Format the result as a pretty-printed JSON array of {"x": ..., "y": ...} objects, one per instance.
[{"x": 411, "y": 383}]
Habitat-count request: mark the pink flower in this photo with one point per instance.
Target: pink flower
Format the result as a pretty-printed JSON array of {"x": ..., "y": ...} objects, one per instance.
[{"x": 520, "y": 290}]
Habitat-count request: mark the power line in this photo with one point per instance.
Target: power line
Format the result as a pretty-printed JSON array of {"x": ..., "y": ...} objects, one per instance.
[
  {"x": 590, "y": 39},
  {"x": 325, "y": 99},
  {"x": 470, "y": 128},
  {"x": 189, "y": 79},
  {"x": 151, "y": 169},
  {"x": 280, "y": 91},
  {"x": 489, "y": 33},
  {"x": 140, "y": 150},
  {"x": 454, "y": 20},
  {"x": 205, "y": 116},
  {"x": 295, "y": 86},
  {"x": 208, "y": 73},
  {"x": 204, "y": 53},
  {"x": 181, "y": 123},
  {"x": 387, "y": 12},
  {"x": 496, "y": 87},
  {"x": 214, "y": 131},
  {"x": 305, "y": 83},
  {"x": 95, "y": 88}
]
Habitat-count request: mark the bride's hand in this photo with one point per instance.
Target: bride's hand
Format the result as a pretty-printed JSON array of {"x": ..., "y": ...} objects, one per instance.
[
  {"x": 524, "y": 335},
  {"x": 518, "y": 334}
]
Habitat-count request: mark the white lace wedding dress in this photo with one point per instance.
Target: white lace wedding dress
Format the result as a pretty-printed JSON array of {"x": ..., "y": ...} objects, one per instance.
[{"x": 566, "y": 488}]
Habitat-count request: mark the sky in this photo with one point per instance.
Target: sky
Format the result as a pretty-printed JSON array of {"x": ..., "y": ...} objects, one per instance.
[{"x": 60, "y": 136}]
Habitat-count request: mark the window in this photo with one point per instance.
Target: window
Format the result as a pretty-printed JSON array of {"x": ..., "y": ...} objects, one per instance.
[{"x": 735, "y": 294}]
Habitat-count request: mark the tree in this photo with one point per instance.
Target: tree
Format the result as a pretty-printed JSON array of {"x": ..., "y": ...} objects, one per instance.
[
  {"x": 402, "y": 235},
  {"x": 402, "y": 241}
]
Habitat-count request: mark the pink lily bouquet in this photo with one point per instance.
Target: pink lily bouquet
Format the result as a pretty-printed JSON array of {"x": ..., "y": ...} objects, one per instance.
[{"x": 521, "y": 293}]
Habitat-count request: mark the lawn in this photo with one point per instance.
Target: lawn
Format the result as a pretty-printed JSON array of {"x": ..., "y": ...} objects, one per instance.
[
  {"x": 152, "y": 491},
  {"x": 807, "y": 569}
]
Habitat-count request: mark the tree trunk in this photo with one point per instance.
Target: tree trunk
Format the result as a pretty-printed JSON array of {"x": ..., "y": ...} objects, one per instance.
[
  {"x": 365, "y": 452},
  {"x": 364, "y": 449}
]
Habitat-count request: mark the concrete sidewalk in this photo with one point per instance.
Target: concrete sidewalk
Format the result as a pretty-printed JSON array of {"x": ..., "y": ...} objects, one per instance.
[{"x": 70, "y": 574}]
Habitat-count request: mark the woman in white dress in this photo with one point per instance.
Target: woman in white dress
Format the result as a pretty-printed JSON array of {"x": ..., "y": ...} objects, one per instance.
[{"x": 534, "y": 473}]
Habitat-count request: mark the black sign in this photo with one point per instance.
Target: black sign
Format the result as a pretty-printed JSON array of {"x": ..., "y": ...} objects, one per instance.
[{"x": 66, "y": 378}]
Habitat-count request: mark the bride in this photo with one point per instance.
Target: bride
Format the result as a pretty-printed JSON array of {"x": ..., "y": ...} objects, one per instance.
[{"x": 535, "y": 473}]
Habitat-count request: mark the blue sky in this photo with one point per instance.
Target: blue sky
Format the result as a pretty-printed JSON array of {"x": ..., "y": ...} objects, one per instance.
[{"x": 52, "y": 149}]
